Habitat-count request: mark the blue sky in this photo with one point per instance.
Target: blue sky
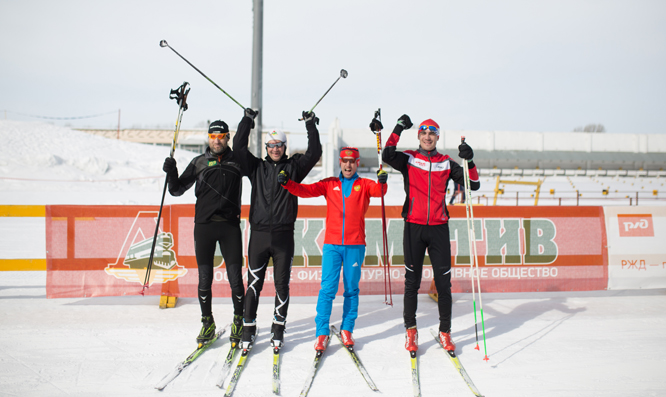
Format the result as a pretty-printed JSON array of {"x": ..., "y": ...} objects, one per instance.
[{"x": 504, "y": 65}]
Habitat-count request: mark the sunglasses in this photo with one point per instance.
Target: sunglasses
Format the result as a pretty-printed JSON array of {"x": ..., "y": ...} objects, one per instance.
[
  {"x": 429, "y": 127},
  {"x": 273, "y": 145},
  {"x": 217, "y": 136}
]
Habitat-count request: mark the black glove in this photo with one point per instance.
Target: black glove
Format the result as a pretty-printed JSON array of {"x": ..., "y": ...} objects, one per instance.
[
  {"x": 170, "y": 166},
  {"x": 376, "y": 125},
  {"x": 382, "y": 176},
  {"x": 310, "y": 116},
  {"x": 405, "y": 122},
  {"x": 465, "y": 152},
  {"x": 251, "y": 113},
  {"x": 283, "y": 177}
]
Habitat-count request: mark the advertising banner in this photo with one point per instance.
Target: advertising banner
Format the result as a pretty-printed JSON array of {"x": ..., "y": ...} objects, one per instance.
[
  {"x": 104, "y": 250},
  {"x": 636, "y": 250}
]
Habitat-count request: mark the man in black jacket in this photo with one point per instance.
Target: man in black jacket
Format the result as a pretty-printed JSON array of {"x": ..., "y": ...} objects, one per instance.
[
  {"x": 217, "y": 174},
  {"x": 273, "y": 211}
]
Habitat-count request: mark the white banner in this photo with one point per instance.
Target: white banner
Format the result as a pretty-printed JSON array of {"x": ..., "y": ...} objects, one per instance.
[{"x": 636, "y": 247}]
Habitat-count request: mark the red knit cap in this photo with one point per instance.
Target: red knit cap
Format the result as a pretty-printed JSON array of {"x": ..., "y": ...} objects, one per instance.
[
  {"x": 347, "y": 152},
  {"x": 429, "y": 123}
]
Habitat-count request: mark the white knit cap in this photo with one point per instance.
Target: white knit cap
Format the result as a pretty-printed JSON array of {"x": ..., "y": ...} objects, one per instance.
[{"x": 276, "y": 135}]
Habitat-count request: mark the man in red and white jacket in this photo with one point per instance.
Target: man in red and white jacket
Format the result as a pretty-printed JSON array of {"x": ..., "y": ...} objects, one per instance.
[
  {"x": 347, "y": 200},
  {"x": 426, "y": 174}
]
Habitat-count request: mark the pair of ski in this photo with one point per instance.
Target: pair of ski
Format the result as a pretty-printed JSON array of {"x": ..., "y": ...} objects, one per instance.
[
  {"x": 416, "y": 385},
  {"x": 189, "y": 360},
  {"x": 228, "y": 362},
  {"x": 352, "y": 354},
  {"x": 241, "y": 365}
]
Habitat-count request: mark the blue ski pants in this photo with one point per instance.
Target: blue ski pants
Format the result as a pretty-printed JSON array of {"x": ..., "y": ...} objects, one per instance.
[{"x": 349, "y": 258}]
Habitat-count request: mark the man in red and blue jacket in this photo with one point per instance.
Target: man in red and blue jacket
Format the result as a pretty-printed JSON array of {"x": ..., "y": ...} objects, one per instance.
[
  {"x": 426, "y": 173},
  {"x": 347, "y": 200}
]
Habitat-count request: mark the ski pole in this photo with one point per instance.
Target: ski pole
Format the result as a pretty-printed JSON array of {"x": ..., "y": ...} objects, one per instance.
[
  {"x": 180, "y": 95},
  {"x": 343, "y": 74},
  {"x": 163, "y": 44},
  {"x": 474, "y": 261},
  {"x": 387, "y": 266}
]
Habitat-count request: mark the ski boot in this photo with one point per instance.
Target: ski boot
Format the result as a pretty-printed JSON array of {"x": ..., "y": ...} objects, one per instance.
[
  {"x": 347, "y": 339},
  {"x": 249, "y": 334},
  {"x": 277, "y": 336},
  {"x": 321, "y": 343},
  {"x": 207, "y": 330},
  {"x": 447, "y": 343},
  {"x": 412, "y": 340},
  {"x": 236, "y": 330}
]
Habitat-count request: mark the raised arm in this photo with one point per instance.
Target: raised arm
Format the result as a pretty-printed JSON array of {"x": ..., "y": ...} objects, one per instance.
[
  {"x": 397, "y": 160},
  {"x": 307, "y": 161},
  {"x": 247, "y": 160}
]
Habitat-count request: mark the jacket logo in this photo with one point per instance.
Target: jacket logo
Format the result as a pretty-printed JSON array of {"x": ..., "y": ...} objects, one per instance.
[
  {"x": 336, "y": 188},
  {"x": 212, "y": 162},
  {"x": 357, "y": 188}
]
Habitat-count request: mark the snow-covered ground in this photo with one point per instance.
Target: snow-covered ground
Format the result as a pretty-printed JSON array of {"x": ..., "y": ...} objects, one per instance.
[
  {"x": 606, "y": 343},
  {"x": 603, "y": 343}
]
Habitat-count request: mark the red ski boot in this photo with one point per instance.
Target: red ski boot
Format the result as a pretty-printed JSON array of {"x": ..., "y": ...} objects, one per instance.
[
  {"x": 321, "y": 343},
  {"x": 347, "y": 339},
  {"x": 412, "y": 339},
  {"x": 447, "y": 343}
]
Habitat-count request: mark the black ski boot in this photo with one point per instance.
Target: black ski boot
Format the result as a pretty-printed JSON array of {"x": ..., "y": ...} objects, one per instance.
[
  {"x": 277, "y": 335},
  {"x": 249, "y": 334},
  {"x": 236, "y": 330},
  {"x": 207, "y": 331}
]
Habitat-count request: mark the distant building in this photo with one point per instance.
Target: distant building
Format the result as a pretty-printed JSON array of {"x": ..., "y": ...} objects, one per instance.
[{"x": 496, "y": 152}]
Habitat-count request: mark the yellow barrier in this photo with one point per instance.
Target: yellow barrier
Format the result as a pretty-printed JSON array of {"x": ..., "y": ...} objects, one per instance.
[
  {"x": 34, "y": 211},
  {"x": 23, "y": 210},
  {"x": 22, "y": 265}
]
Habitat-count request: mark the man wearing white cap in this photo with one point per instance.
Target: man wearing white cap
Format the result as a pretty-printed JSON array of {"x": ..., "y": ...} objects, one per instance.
[{"x": 273, "y": 212}]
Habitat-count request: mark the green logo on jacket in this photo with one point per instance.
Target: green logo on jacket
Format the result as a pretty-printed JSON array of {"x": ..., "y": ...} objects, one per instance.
[{"x": 212, "y": 162}]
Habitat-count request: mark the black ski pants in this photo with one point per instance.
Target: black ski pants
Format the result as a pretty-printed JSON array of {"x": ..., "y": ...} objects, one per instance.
[
  {"x": 228, "y": 236},
  {"x": 278, "y": 245},
  {"x": 435, "y": 238}
]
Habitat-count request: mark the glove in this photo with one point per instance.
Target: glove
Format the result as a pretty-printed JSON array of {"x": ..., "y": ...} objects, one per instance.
[
  {"x": 170, "y": 166},
  {"x": 310, "y": 116},
  {"x": 382, "y": 176},
  {"x": 251, "y": 113},
  {"x": 405, "y": 122},
  {"x": 283, "y": 177},
  {"x": 465, "y": 152},
  {"x": 376, "y": 125}
]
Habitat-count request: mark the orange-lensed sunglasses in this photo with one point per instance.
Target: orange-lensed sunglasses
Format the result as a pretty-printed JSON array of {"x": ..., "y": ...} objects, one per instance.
[{"x": 217, "y": 136}]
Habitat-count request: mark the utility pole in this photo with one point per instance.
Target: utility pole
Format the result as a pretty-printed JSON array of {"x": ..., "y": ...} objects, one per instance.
[{"x": 257, "y": 73}]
